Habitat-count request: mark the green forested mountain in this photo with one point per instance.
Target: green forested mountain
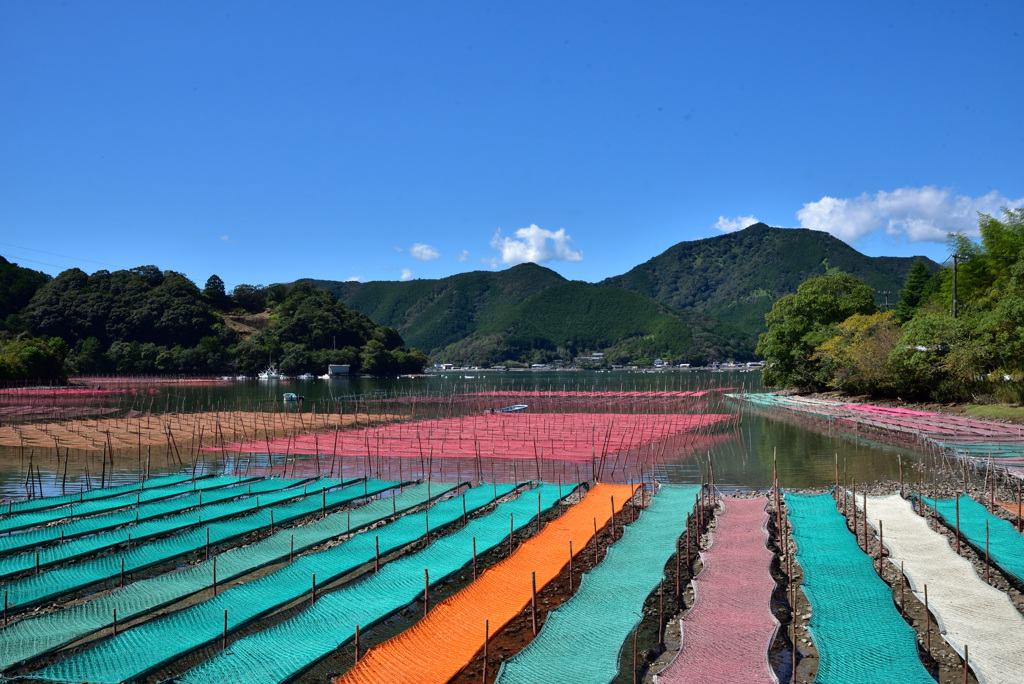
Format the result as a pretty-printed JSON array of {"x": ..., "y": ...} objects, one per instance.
[
  {"x": 572, "y": 318},
  {"x": 830, "y": 334},
  {"x": 738, "y": 276},
  {"x": 432, "y": 314},
  {"x": 697, "y": 301},
  {"x": 529, "y": 313},
  {"x": 147, "y": 321}
]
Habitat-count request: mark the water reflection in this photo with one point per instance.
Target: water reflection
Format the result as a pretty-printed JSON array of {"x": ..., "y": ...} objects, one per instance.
[{"x": 743, "y": 457}]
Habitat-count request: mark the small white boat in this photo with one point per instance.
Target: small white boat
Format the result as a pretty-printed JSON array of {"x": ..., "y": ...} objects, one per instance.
[
  {"x": 515, "y": 408},
  {"x": 305, "y": 376},
  {"x": 270, "y": 373}
]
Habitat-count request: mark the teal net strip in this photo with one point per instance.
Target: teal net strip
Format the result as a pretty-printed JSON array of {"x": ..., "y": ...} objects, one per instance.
[
  {"x": 73, "y": 510},
  {"x": 30, "y": 539},
  {"x": 131, "y": 532},
  {"x": 38, "y": 635},
  {"x": 284, "y": 651},
  {"x": 1005, "y": 544},
  {"x": 98, "y": 493},
  {"x": 855, "y": 626},
  {"x": 48, "y": 585},
  {"x": 145, "y": 648},
  {"x": 582, "y": 638}
]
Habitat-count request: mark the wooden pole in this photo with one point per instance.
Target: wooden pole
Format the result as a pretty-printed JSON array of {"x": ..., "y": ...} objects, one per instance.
[
  {"x": 988, "y": 577},
  {"x": 880, "y": 548},
  {"x": 426, "y": 592},
  {"x": 487, "y": 634},
  {"x": 570, "y": 566},
  {"x": 224, "y": 640},
  {"x": 957, "y": 524},
  {"x": 927, "y": 624},
  {"x": 474, "y": 558},
  {"x": 533, "y": 601},
  {"x": 903, "y": 583},
  {"x": 357, "y": 643},
  {"x": 613, "y": 518}
]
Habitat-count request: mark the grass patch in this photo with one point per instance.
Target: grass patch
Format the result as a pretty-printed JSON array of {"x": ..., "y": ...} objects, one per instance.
[{"x": 997, "y": 412}]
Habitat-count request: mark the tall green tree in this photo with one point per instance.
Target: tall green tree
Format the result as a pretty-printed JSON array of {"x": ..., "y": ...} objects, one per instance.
[
  {"x": 914, "y": 291},
  {"x": 800, "y": 322}
]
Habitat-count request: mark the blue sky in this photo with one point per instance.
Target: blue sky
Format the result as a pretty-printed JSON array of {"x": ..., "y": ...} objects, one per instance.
[{"x": 266, "y": 142}]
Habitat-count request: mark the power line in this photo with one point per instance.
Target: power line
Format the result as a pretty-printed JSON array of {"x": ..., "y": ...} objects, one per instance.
[
  {"x": 16, "y": 259},
  {"x": 63, "y": 256}
]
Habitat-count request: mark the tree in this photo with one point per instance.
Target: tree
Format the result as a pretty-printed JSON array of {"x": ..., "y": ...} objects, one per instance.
[
  {"x": 800, "y": 322},
  {"x": 214, "y": 289},
  {"x": 857, "y": 358},
  {"x": 914, "y": 290}
]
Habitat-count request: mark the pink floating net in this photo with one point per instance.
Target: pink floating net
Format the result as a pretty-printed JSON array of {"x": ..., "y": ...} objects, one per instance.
[{"x": 727, "y": 633}]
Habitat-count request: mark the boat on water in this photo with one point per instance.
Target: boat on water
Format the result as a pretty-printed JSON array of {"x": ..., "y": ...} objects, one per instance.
[
  {"x": 305, "y": 376},
  {"x": 515, "y": 408},
  {"x": 292, "y": 398},
  {"x": 270, "y": 373}
]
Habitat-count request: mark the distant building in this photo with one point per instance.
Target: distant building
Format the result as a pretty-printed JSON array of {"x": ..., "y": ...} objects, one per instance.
[{"x": 339, "y": 369}]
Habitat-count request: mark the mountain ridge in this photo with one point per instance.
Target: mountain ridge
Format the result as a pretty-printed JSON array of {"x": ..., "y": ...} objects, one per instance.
[{"x": 719, "y": 288}]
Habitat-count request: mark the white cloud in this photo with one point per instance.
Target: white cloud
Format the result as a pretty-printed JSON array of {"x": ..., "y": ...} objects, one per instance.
[
  {"x": 422, "y": 252},
  {"x": 914, "y": 214},
  {"x": 354, "y": 279},
  {"x": 731, "y": 225},
  {"x": 492, "y": 262},
  {"x": 536, "y": 245},
  {"x": 406, "y": 274},
  {"x": 464, "y": 255},
  {"x": 225, "y": 238}
]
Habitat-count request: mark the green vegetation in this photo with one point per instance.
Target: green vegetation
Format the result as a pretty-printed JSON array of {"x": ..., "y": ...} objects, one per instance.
[
  {"x": 572, "y": 318},
  {"x": 921, "y": 350},
  {"x": 530, "y": 314},
  {"x": 31, "y": 359},
  {"x": 994, "y": 412},
  {"x": 17, "y": 286},
  {"x": 147, "y": 321},
  {"x": 736, "y": 277},
  {"x": 433, "y": 314},
  {"x": 799, "y": 323}
]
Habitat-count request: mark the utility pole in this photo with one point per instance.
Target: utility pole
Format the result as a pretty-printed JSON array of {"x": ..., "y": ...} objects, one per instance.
[
  {"x": 956, "y": 258},
  {"x": 886, "y": 294}
]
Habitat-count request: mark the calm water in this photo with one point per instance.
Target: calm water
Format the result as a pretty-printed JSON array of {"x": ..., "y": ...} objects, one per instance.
[{"x": 742, "y": 456}]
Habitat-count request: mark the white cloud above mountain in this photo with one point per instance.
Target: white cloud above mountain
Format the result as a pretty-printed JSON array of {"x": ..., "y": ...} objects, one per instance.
[
  {"x": 423, "y": 252},
  {"x": 913, "y": 214},
  {"x": 731, "y": 225},
  {"x": 535, "y": 244}
]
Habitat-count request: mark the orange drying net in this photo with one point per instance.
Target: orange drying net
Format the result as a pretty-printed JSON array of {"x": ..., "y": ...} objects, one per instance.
[
  {"x": 440, "y": 645},
  {"x": 1011, "y": 506}
]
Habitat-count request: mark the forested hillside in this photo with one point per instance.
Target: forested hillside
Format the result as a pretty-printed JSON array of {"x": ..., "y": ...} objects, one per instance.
[
  {"x": 432, "y": 314},
  {"x": 148, "y": 321},
  {"x": 950, "y": 339},
  {"x": 738, "y": 276},
  {"x": 572, "y": 318}
]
